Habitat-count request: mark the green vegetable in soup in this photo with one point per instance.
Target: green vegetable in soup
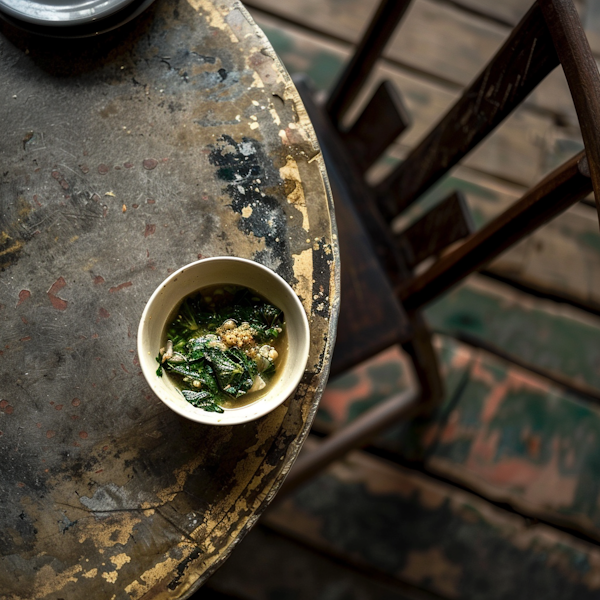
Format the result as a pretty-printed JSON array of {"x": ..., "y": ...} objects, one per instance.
[{"x": 219, "y": 346}]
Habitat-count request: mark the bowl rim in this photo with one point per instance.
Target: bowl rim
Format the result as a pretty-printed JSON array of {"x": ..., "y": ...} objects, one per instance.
[{"x": 288, "y": 389}]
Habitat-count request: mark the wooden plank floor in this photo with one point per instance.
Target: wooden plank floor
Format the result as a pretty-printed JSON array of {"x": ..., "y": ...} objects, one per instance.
[{"x": 519, "y": 347}]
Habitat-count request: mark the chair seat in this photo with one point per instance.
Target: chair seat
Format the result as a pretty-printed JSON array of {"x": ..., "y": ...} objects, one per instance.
[{"x": 372, "y": 320}]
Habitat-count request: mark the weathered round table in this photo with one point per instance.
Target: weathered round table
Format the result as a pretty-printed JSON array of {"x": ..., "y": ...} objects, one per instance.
[{"x": 124, "y": 157}]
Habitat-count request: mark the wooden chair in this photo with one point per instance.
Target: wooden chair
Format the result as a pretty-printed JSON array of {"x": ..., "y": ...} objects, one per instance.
[{"x": 382, "y": 295}]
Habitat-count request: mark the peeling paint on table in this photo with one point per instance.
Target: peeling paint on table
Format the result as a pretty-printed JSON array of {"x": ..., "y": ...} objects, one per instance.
[{"x": 176, "y": 137}]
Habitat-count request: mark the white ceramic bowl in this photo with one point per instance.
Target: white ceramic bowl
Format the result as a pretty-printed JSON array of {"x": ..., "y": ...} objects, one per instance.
[{"x": 214, "y": 271}]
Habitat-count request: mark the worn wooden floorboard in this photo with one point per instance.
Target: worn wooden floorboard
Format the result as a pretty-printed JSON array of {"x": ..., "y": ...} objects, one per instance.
[
  {"x": 506, "y": 432},
  {"x": 397, "y": 522},
  {"x": 510, "y": 11},
  {"x": 556, "y": 338},
  {"x": 437, "y": 40},
  {"x": 270, "y": 566}
]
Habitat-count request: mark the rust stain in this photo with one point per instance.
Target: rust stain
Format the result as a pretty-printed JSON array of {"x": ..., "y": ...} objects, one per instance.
[
  {"x": 103, "y": 169},
  {"x": 150, "y": 163},
  {"x": 103, "y": 313},
  {"x": 60, "y": 179},
  {"x": 57, "y": 302},
  {"x": 23, "y": 295},
  {"x": 119, "y": 287},
  {"x": 98, "y": 280},
  {"x": 76, "y": 402},
  {"x": 27, "y": 138},
  {"x": 150, "y": 230}
]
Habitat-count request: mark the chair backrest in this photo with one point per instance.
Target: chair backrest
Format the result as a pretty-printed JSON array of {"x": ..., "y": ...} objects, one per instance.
[{"x": 548, "y": 35}]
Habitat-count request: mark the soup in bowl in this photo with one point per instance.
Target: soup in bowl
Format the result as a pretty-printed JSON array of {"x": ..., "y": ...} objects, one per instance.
[{"x": 223, "y": 341}]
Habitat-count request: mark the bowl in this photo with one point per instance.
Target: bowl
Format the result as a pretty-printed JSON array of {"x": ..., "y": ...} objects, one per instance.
[
  {"x": 222, "y": 271},
  {"x": 62, "y": 19}
]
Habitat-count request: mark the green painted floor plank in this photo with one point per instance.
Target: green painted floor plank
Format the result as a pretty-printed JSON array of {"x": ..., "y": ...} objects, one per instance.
[
  {"x": 502, "y": 430},
  {"x": 545, "y": 334},
  {"x": 519, "y": 439},
  {"x": 448, "y": 542}
]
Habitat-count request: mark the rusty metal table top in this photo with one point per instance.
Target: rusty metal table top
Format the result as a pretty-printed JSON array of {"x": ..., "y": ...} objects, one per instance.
[{"x": 123, "y": 158}]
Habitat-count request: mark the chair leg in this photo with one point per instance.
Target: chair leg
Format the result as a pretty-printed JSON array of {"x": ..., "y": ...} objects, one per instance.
[
  {"x": 355, "y": 435},
  {"x": 426, "y": 365}
]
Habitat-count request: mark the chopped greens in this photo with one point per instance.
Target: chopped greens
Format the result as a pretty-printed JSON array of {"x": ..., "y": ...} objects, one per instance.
[{"x": 219, "y": 346}]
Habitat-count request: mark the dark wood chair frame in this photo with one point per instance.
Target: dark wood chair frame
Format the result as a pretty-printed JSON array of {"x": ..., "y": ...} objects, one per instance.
[{"x": 382, "y": 295}]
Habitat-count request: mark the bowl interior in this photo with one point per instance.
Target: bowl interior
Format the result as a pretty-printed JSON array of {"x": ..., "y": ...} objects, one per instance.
[{"x": 207, "y": 272}]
